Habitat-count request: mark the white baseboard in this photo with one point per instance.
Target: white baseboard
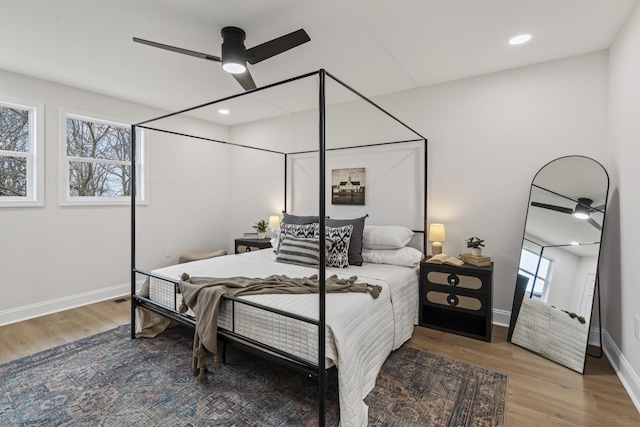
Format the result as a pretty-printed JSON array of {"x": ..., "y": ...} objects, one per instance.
[
  {"x": 30, "y": 311},
  {"x": 501, "y": 317},
  {"x": 628, "y": 377}
]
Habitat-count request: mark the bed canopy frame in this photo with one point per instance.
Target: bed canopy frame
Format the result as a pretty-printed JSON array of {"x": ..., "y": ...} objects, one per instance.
[{"x": 287, "y": 359}]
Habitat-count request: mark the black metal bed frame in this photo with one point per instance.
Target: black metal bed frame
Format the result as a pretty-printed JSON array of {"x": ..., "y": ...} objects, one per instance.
[{"x": 318, "y": 371}]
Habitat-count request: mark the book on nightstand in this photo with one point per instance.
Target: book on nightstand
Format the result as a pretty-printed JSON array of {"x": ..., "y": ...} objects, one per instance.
[
  {"x": 478, "y": 261},
  {"x": 445, "y": 259}
]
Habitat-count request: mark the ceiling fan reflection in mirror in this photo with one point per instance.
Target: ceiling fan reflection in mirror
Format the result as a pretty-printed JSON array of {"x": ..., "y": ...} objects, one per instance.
[
  {"x": 582, "y": 210},
  {"x": 235, "y": 55}
]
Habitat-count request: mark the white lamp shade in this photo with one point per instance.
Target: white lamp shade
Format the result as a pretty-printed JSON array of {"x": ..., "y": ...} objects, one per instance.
[
  {"x": 274, "y": 221},
  {"x": 437, "y": 233}
]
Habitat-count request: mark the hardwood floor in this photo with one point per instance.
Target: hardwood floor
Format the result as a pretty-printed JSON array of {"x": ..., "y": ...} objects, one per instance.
[
  {"x": 541, "y": 393},
  {"x": 34, "y": 335}
]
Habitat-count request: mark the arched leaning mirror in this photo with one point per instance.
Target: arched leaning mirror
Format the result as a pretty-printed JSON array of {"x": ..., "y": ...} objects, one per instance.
[{"x": 558, "y": 269}]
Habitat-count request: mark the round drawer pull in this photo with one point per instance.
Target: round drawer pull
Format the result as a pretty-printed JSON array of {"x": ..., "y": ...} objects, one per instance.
[
  {"x": 453, "y": 280},
  {"x": 452, "y": 300}
]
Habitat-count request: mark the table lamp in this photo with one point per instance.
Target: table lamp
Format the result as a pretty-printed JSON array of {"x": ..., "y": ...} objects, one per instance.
[
  {"x": 437, "y": 235},
  {"x": 274, "y": 226}
]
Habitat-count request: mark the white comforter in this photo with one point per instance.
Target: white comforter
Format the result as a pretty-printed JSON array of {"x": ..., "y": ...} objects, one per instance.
[{"x": 361, "y": 331}]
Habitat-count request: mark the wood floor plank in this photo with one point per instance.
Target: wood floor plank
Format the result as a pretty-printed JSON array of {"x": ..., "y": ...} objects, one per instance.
[{"x": 540, "y": 392}]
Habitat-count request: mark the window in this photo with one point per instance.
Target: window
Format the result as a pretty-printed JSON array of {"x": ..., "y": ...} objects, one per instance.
[
  {"x": 97, "y": 161},
  {"x": 21, "y": 153},
  {"x": 528, "y": 267}
]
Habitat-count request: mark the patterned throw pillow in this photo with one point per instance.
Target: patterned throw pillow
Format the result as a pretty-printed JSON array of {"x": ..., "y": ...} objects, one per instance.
[
  {"x": 355, "y": 244},
  {"x": 338, "y": 255},
  {"x": 305, "y": 231}
]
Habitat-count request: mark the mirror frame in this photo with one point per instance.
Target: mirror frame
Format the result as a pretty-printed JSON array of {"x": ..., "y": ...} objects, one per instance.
[{"x": 521, "y": 283}]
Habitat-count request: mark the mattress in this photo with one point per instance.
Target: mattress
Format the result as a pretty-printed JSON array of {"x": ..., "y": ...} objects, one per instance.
[{"x": 361, "y": 331}]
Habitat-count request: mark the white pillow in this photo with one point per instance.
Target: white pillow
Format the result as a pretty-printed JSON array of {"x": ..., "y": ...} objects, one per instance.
[
  {"x": 407, "y": 256},
  {"x": 386, "y": 236}
]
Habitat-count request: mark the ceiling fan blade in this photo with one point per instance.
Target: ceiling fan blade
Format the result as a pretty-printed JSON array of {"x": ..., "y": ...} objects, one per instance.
[
  {"x": 552, "y": 207},
  {"x": 179, "y": 50},
  {"x": 274, "y": 47},
  {"x": 245, "y": 80},
  {"x": 594, "y": 223}
]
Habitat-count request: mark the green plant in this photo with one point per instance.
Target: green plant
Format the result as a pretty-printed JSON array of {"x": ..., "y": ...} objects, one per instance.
[
  {"x": 261, "y": 226},
  {"x": 475, "y": 242}
]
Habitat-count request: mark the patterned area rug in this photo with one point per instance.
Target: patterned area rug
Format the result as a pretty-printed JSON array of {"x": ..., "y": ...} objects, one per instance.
[{"x": 110, "y": 380}]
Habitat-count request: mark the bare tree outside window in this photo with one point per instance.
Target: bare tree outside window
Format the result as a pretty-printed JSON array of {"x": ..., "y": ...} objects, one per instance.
[
  {"x": 99, "y": 159},
  {"x": 14, "y": 151}
]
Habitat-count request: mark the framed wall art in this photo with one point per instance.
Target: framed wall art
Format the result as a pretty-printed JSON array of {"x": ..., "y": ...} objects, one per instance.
[{"x": 348, "y": 186}]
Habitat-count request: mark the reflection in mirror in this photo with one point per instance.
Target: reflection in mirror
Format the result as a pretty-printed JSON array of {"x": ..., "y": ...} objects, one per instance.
[{"x": 559, "y": 260}]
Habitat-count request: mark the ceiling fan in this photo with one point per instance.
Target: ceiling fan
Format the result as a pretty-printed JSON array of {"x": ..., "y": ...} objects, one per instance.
[
  {"x": 582, "y": 210},
  {"x": 235, "y": 55}
]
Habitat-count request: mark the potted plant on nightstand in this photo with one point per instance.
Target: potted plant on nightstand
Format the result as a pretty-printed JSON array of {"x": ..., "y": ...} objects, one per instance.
[
  {"x": 475, "y": 244},
  {"x": 261, "y": 228}
]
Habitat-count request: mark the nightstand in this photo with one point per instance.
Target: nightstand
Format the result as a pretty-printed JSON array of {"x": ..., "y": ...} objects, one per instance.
[
  {"x": 248, "y": 245},
  {"x": 456, "y": 299}
]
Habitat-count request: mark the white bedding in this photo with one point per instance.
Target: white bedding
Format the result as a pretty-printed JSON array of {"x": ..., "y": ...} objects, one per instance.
[{"x": 361, "y": 331}]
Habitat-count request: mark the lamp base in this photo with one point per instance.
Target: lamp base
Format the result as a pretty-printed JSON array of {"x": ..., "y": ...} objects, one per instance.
[{"x": 436, "y": 248}]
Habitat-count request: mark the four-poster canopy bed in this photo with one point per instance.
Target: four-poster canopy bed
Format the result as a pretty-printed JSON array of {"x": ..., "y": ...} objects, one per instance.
[{"x": 301, "y": 331}]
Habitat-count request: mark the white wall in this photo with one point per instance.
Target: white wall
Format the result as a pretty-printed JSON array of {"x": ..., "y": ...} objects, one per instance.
[
  {"x": 55, "y": 257},
  {"x": 621, "y": 290},
  {"x": 488, "y": 136}
]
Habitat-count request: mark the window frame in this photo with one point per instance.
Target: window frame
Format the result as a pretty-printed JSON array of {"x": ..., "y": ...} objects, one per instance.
[
  {"x": 141, "y": 173},
  {"x": 35, "y": 155},
  {"x": 545, "y": 279}
]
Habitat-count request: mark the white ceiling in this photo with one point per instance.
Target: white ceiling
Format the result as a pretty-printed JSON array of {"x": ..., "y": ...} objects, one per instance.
[{"x": 376, "y": 46}]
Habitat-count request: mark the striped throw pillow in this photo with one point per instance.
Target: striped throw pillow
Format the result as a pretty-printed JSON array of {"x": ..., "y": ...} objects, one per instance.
[
  {"x": 300, "y": 251},
  {"x": 306, "y": 231}
]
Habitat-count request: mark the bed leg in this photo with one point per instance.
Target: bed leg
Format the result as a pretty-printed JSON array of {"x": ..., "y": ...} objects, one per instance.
[{"x": 224, "y": 352}]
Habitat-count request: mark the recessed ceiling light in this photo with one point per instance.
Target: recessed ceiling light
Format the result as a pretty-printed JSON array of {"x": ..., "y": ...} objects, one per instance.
[
  {"x": 522, "y": 38},
  {"x": 223, "y": 111}
]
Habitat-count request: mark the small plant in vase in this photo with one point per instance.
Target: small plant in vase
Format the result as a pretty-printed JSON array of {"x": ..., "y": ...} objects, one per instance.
[
  {"x": 261, "y": 228},
  {"x": 475, "y": 244}
]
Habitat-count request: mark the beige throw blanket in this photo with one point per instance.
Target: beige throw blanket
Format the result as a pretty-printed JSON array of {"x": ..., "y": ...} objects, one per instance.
[{"x": 203, "y": 295}]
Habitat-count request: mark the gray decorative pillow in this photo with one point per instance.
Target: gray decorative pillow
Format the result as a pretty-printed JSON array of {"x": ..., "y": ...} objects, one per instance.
[
  {"x": 305, "y": 231},
  {"x": 355, "y": 244},
  {"x": 297, "y": 219},
  {"x": 300, "y": 251},
  {"x": 338, "y": 255}
]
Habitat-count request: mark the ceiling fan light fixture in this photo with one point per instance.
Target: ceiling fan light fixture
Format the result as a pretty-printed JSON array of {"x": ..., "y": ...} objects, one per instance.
[
  {"x": 582, "y": 208},
  {"x": 234, "y": 67},
  {"x": 233, "y": 50}
]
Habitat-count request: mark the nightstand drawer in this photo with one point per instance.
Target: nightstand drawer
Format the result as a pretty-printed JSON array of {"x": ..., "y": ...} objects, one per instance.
[
  {"x": 454, "y": 300},
  {"x": 243, "y": 248},
  {"x": 452, "y": 279},
  {"x": 250, "y": 245}
]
